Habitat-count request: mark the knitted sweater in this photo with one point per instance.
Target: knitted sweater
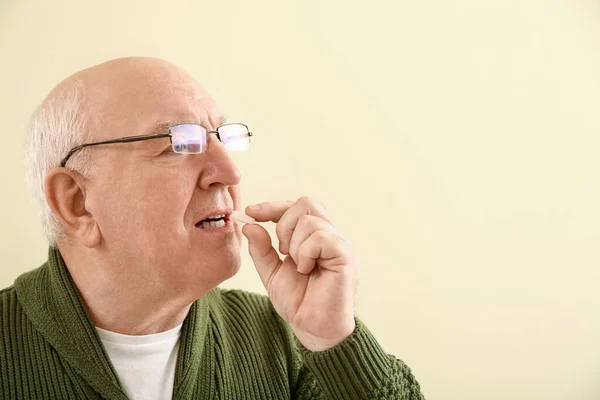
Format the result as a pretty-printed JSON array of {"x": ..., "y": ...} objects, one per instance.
[{"x": 233, "y": 346}]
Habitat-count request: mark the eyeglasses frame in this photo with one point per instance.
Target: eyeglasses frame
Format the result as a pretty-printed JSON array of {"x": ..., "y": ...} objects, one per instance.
[{"x": 138, "y": 138}]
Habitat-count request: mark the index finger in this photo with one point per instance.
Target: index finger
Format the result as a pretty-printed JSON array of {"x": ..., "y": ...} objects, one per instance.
[
  {"x": 286, "y": 215},
  {"x": 269, "y": 211}
]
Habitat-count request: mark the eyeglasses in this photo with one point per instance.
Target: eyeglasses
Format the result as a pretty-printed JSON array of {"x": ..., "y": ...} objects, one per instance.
[{"x": 187, "y": 139}]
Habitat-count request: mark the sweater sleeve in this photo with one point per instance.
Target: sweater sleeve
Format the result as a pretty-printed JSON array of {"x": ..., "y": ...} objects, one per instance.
[{"x": 355, "y": 369}]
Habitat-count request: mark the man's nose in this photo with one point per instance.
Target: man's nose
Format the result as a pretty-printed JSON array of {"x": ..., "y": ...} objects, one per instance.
[{"x": 218, "y": 166}]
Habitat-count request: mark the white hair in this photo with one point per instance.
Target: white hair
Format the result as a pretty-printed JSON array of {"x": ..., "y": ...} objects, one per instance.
[{"x": 56, "y": 126}]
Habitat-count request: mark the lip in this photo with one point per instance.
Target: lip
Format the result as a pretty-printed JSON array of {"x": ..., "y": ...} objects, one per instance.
[
  {"x": 226, "y": 211},
  {"x": 225, "y": 228}
]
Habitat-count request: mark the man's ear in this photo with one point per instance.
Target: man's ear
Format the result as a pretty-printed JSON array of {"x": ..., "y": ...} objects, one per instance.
[{"x": 65, "y": 194}]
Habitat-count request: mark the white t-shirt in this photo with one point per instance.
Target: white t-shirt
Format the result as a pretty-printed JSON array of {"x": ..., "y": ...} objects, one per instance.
[{"x": 145, "y": 364}]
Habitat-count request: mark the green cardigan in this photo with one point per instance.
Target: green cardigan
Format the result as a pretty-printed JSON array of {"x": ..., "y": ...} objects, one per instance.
[{"x": 233, "y": 346}]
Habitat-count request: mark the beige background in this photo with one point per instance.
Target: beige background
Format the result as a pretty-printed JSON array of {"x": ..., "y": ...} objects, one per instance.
[{"x": 455, "y": 142}]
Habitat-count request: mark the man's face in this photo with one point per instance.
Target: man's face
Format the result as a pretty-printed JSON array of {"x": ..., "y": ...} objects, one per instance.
[{"x": 146, "y": 199}]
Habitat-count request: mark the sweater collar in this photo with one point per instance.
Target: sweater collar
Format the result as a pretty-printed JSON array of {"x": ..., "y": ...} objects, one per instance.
[{"x": 54, "y": 305}]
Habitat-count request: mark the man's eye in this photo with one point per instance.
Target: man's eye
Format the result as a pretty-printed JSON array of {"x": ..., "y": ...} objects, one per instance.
[{"x": 167, "y": 151}]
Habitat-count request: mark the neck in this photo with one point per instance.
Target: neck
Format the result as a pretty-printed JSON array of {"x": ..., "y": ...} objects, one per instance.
[{"x": 124, "y": 301}]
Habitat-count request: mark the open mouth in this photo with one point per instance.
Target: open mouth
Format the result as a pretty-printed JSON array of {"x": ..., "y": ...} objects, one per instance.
[{"x": 216, "y": 221}]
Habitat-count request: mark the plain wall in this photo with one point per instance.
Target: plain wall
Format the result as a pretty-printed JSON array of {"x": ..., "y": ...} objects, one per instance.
[{"x": 455, "y": 142}]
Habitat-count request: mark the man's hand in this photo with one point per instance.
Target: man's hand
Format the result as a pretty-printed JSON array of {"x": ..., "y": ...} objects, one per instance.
[{"x": 313, "y": 287}]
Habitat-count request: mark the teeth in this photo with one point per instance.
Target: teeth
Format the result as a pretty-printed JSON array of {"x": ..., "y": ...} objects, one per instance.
[
  {"x": 217, "y": 216},
  {"x": 213, "y": 224}
]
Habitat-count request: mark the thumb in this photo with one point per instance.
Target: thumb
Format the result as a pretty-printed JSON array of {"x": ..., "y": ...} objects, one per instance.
[{"x": 265, "y": 257}]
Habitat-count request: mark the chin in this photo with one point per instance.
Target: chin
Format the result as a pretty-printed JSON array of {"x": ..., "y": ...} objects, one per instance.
[
  {"x": 234, "y": 270},
  {"x": 206, "y": 274},
  {"x": 229, "y": 267}
]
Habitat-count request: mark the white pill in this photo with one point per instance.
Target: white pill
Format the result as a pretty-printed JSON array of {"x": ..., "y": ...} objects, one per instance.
[{"x": 240, "y": 216}]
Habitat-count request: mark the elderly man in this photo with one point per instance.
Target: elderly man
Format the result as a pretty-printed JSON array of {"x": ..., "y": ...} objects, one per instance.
[{"x": 129, "y": 160}]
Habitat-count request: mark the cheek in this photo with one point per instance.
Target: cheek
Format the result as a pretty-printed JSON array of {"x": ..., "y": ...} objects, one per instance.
[{"x": 148, "y": 207}]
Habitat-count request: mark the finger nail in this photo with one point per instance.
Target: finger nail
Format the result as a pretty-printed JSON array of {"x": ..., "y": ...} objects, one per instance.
[{"x": 254, "y": 207}]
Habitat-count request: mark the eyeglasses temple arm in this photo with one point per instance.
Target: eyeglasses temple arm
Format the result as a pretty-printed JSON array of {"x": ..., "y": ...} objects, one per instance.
[{"x": 120, "y": 140}]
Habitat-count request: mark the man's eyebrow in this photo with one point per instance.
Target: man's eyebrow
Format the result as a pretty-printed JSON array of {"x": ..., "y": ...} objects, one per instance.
[{"x": 163, "y": 127}]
